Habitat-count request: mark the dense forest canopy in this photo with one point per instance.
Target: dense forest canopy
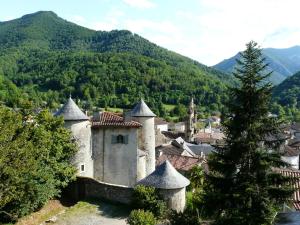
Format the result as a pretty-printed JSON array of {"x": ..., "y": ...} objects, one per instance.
[
  {"x": 286, "y": 98},
  {"x": 49, "y": 58},
  {"x": 288, "y": 92}
]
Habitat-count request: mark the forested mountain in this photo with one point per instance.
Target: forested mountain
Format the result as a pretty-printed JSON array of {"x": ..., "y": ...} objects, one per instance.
[
  {"x": 288, "y": 92},
  {"x": 49, "y": 58},
  {"x": 283, "y": 62}
]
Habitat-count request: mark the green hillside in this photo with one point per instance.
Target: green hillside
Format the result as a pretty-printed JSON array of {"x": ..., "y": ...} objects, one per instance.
[
  {"x": 50, "y": 58},
  {"x": 288, "y": 92},
  {"x": 283, "y": 62}
]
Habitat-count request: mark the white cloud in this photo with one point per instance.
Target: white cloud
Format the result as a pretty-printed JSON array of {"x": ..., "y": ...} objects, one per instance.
[
  {"x": 211, "y": 30},
  {"x": 225, "y": 26},
  {"x": 149, "y": 25},
  {"x": 110, "y": 21},
  {"x": 141, "y": 4}
]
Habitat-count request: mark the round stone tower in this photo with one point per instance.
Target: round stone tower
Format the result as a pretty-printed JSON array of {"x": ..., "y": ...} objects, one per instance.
[
  {"x": 146, "y": 135},
  {"x": 170, "y": 183},
  {"x": 80, "y": 126}
]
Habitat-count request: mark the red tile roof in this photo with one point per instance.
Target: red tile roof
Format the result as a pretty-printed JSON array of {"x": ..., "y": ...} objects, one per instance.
[
  {"x": 109, "y": 119},
  {"x": 183, "y": 163},
  {"x": 296, "y": 205},
  {"x": 294, "y": 174}
]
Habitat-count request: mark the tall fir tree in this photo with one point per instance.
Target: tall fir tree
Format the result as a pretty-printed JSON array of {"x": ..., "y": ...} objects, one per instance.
[{"x": 242, "y": 186}]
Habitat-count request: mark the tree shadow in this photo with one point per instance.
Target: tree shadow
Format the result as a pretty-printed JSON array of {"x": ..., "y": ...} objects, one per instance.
[{"x": 110, "y": 209}]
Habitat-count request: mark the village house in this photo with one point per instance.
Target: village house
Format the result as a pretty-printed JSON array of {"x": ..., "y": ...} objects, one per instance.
[{"x": 161, "y": 124}]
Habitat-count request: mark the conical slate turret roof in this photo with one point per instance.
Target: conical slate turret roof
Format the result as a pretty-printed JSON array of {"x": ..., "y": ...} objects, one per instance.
[
  {"x": 165, "y": 177},
  {"x": 142, "y": 110},
  {"x": 70, "y": 111}
]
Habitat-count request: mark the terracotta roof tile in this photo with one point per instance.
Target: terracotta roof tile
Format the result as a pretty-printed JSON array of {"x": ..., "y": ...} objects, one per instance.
[
  {"x": 296, "y": 205},
  {"x": 183, "y": 163},
  {"x": 108, "y": 119},
  {"x": 294, "y": 174}
]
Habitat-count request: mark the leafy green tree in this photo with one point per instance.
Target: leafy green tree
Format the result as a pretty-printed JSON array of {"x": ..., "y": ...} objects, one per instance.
[
  {"x": 181, "y": 111},
  {"x": 34, "y": 161},
  {"x": 243, "y": 188},
  {"x": 196, "y": 177}
]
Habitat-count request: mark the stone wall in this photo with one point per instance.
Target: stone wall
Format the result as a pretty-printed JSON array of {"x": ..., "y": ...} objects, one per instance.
[
  {"x": 115, "y": 163},
  {"x": 89, "y": 188},
  {"x": 85, "y": 187}
]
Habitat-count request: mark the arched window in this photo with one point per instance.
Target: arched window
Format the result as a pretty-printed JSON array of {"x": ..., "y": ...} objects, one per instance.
[{"x": 120, "y": 139}]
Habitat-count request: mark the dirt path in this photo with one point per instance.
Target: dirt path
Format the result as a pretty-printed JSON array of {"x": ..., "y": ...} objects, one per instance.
[{"x": 92, "y": 213}]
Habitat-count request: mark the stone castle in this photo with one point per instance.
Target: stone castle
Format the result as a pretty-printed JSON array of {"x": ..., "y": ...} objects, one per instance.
[{"x": 120, "y": 150}]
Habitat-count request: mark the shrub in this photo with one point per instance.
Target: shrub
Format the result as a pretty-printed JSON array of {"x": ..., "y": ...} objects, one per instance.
[
  {"x": 147, "y": 198},
  {"x": 187, "y": 218},
  {"x": 141, "y": 217}
]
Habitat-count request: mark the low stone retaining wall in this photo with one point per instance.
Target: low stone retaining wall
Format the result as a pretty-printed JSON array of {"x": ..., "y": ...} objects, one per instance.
[{"x": 89, "y": 188}]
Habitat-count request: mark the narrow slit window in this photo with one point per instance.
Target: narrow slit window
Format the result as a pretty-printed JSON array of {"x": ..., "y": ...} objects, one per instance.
[{"x": 82, "y": 168}]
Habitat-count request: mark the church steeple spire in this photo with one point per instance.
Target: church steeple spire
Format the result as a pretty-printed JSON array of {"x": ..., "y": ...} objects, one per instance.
[
  {"x": 190, "y": 123},
  {"x": 191, "y": 106}
]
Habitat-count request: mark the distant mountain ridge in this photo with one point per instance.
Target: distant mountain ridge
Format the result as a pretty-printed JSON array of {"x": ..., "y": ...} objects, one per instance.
[{"x": 283, "y": 62}]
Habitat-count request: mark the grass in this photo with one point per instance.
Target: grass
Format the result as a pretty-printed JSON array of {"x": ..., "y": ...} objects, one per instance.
[
  {"x": 94, "y": 207},
  {"x": 81, "y": 208},
  {"x": 173, "y": 118},
  {"x": 169, "y": 107},
  {"x": 52, "y": 208}
]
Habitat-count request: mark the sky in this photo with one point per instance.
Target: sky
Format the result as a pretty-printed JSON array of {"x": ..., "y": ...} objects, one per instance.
[{"x": 205, "y": 30}]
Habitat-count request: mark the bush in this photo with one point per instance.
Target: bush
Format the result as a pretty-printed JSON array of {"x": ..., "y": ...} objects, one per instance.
[
  {"x": 187, "y": 218},
  {"x": 147, "y": 198},
  {"x": 141, "y": 217}
]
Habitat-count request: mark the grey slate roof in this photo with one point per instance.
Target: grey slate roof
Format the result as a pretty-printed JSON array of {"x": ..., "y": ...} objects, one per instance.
[
  {"x": 70, "y": 111},
  {"x": 142, "y": 110},
  {"x": 205, "y": 149},
  {"x": 165, "y": 176}
]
